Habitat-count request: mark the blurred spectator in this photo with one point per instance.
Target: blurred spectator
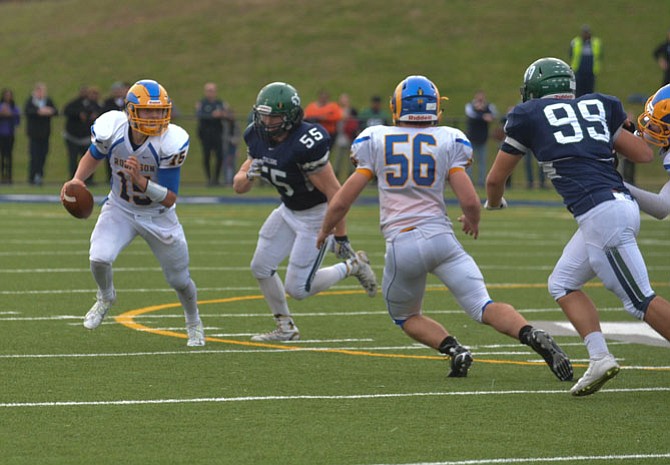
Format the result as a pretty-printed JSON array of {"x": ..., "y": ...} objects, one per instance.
[
  {"x": 210, "y": 111},
  {"x": 374, "y": 115},
  {"x": 231, "y": 140},
  {"x": 39, "y": 109},
  {"x": 117, "y": 97},
  {"x": 80, "y": 113},
  {"x": 115, "y": 101},
  {"x": 480, "y": 113},
  {"x": 499, "y": 136},
  {"x": 9, "y": 119},
  {"x": 347, "y": 130},
  {"x": 662, "y": 55},
  {"x": 586, "y": 55},
  {"x": 325, "y": 112}
]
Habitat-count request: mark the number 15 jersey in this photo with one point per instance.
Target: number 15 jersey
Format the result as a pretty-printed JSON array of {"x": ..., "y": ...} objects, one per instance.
[
  {"x": 411, "y": 165},
  {"x": 160, "y": 159}
]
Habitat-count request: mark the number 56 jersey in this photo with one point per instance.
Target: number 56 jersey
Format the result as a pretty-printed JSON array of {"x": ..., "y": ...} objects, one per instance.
[
  {"x": 160, "y": 159},
  {"x": 411, "y": 165}
]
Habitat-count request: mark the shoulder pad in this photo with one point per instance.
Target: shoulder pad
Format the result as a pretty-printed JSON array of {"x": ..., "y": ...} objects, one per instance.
[
  {"x": 105, "y": 127},
  {"x": 174, "y": 144}
]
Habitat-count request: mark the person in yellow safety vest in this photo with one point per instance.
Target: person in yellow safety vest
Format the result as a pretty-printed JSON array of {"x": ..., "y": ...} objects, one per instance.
[{"x": 585, "y": 59}]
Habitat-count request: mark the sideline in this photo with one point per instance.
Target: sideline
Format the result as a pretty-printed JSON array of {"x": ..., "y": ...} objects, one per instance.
[{"x": 232, "y": 199}]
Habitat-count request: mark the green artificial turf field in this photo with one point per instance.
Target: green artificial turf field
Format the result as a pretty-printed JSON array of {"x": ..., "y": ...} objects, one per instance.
[{"x": 353, "y": 391}]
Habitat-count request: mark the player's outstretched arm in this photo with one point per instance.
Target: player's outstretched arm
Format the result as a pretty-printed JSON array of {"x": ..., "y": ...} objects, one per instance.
[
  {"x": 468, "y": 200},
  {"x": 326, "y": 182},
  {"x": 502, "y": 168},
  {"x": 340, "y": 203},
  {"x": 656, "y": 205},
  {"x": 633, "y": 147}
]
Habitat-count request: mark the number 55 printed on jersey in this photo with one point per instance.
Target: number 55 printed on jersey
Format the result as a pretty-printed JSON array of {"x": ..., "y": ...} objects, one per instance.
[{"x": 408, "y": 161}]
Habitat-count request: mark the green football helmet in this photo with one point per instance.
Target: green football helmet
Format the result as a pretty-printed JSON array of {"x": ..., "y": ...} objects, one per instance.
[
  {"x": 548, "y": 76},
  {"x": 277, "y": 98}
]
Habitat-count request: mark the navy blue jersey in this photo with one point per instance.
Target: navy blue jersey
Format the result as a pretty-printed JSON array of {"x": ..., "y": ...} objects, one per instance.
[
  {"x": 573, "y": 142},
  {"x": 287, "y": 165}
]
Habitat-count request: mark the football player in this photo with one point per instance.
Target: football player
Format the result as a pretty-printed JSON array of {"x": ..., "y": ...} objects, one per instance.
[
  {"x": 572, "y": 139},
  {"x": 412, "y": 162},
  {"x": 292, "y": 155},
  {"x": 654, "y": 126},
  {"x": 145, "y": 153}
]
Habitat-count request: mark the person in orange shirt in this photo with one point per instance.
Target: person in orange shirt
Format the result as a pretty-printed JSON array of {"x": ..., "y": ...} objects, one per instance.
[{"x": 325, "y": 112}]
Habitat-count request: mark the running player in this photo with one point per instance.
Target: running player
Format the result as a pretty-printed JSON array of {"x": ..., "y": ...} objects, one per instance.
[
  {"x": 292, "y": 155},
  {"x": 145, "y": 153}
]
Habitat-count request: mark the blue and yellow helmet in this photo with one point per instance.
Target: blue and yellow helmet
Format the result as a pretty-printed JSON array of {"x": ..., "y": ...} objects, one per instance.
[
  {"x": 654, "y": 122},
  {"x": 148, "y": 94},
  {"x": 416, "y": 100}
]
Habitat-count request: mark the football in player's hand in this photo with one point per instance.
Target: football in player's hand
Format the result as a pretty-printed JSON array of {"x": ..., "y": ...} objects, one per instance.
[{"x": 78, "y": 201}]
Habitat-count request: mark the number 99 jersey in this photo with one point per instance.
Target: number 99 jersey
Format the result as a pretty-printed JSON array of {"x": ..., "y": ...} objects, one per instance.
[
  {"x": 411, "y": 165},
  {"x": 572, "y": 140},
  {"x": 160, "y": 159},
  {"x": 288, "y": 164}
]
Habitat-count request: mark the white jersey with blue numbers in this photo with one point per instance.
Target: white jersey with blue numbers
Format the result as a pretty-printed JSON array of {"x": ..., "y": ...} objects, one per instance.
[
  {"x": 411, "y": 166},
  {"x": 288, "y": 164},
  {"x": 158, "y": 156},
  {"x": 572, "y": 140}
]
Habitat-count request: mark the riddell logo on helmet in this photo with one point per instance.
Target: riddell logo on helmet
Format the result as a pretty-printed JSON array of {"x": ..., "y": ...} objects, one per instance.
[{"x": 419, "y": 117}]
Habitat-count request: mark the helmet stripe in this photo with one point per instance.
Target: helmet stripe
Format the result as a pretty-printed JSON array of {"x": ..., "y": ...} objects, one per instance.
[{"x": 152, "y": 87}]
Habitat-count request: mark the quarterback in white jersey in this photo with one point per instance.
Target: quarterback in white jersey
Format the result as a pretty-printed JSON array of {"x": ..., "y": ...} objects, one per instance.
[
  {"x": 145, "y": 153},
  {"x": 654, "y": 126},
  {"x": 412, "y": 162}
]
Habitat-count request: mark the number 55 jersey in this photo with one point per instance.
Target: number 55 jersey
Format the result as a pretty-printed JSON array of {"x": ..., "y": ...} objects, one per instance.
[
  {"x": 411, "y": 166},
  {"x": 160, "y": 159},
  {"x": 572, "y": 140},
  {"x": 288, "y": 164}
]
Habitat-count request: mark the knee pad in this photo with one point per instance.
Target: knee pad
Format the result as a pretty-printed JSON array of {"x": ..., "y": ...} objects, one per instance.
[
  {"x": 261, "y": 270},
  {"x": 295, "y": 288},
  {"x": 178, "y": 279},
  {"x": 556, "y": 290}
]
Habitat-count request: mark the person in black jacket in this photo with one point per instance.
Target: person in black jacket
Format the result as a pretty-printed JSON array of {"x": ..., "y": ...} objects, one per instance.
[
  {"x": 39, "y": 109},
  {"x": 662, "y": 55},
  {"x": 480, "y": 113},
  {"x": 211, "y": 112},
  {"x": 80, "y": 113}
]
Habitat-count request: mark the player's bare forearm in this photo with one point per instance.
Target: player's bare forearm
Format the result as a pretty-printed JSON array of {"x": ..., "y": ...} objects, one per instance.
[
  {"x": 87, "y": 166},
  {"x": 502, "y": 168},
  {"x": 241, "y": 182}
]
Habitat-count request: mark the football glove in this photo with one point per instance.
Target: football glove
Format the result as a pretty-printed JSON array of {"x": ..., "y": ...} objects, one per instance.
[
  {"x": 503, "y": 204},
  {"x": 255, "y": 169},
  {"x": 342, "y": 248}
]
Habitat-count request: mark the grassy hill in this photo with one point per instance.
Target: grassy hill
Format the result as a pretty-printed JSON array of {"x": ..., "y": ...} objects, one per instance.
[{"x": 358, "y": 47}]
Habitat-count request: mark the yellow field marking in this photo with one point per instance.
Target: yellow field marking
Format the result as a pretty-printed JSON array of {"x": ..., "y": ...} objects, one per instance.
[{"x": 128, "y": 319}]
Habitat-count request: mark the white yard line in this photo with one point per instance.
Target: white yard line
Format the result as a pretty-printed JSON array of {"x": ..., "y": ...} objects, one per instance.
[
  {"x": 201, "y": 400},
  {"x": 539, "y": 460}
]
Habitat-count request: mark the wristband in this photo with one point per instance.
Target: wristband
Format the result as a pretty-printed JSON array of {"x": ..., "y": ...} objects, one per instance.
[{"x": 155, "y": 191}]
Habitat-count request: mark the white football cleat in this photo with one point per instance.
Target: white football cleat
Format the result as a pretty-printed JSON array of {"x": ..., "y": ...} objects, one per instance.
[
  {"x": 359, "y": 266},
  {"x": 286, "y": 331},
  {"x": 196, "y": 335},
  {"x": 97, "y": 313},
  {"x": 599, "y": 372}
]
